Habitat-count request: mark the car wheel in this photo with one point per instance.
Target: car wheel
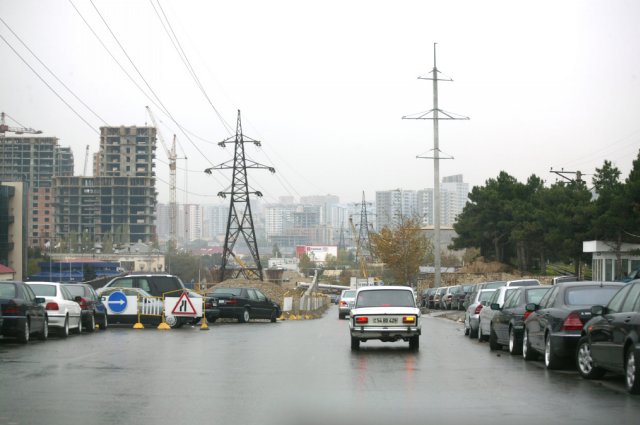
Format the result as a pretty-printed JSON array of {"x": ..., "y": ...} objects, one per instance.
[
  {"x": 515, "y": 346},
  {"x": 355, "y": 344},
  {"x": 26, "y": 332},
  {"x": 92, "y": 323},
  {"x": 44, "y": 335},
  {"x": 414, "y": 343},
  {"x": 551, "y": 361},
  {"x": 104, "y": 324},
  {"x": 480, "y": 333},
  {"x": 527, "y": 351},
  {"x": 632, "y": 372},
  {"x": 245, "y": 316},
  {"x": 79, "y": 328},
  {"x": 64, "y": 332},
  {"x": 340, "y": 316},
  {"x": 274, "y": 316},
  {"x": 584, "y": 361},
  {"x": 172, "y": 321},
  {"x": 473, "y": 333},
  {"x": 466, "y": 330},
  {"x": 493, "y": 340}
]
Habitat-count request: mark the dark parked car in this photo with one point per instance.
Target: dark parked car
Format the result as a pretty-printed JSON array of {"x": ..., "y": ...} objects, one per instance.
[
  {"x": 457, "y": 301},
  {"x": 157, "y": 284},
  {"x": 508, "y": 323},
  {"x": 23, "y": 313},
  {"x": 556, "y": 323},
  {"x": 93, "y": 311},
  {"x": 245, "y": 304},
  {"x": 611, "y": 339},
  {"x": 437, "y": 296}
]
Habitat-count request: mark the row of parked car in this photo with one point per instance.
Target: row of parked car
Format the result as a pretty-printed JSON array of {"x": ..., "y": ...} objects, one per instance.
[
  {"x": 37, "y": 308},
  {"x": 458, "y": 297},
  {"x": 594, "y": 325}
]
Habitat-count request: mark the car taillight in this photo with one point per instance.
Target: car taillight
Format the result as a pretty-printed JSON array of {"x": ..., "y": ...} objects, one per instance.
[
  {"x": 84, "y": 304},
  {"x": 10, "y": 308},
  {"x": 232, "y": 301},
  {"x": 361, "y": 320},
  {"x": 52, "y": 306},
  {"x": 409, "y": 319},
  {"x": 478, "y": 308},
  {"x": 526, "y": 314},
  {"x": 343, "y": 303},
  {"x": 572, "y": 323}
]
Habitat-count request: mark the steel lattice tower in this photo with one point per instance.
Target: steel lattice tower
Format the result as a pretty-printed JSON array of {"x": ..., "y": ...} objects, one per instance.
[
  {"x": 240, "y": 221},
  {"x": 364, "y": 244}
]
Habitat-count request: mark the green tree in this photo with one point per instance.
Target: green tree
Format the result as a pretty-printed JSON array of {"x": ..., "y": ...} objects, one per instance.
[
  {"x": 402, "y": 248},
  {"x": 305, "y": 264},
  {"x": 614, "y": 213},
  {"x": 486, "y": 222}
]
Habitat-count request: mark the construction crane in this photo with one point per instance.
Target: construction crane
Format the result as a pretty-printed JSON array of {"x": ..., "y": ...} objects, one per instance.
[
  {"x": 17, "y": 130},
  {"x": 173, "y": 206},
  {"x": 86, "y": 160}
]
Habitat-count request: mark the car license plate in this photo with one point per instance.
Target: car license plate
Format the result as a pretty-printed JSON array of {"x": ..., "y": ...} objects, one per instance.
[
  {"x": 221, "y": 302},
  {"x": 385, "y": 320}
]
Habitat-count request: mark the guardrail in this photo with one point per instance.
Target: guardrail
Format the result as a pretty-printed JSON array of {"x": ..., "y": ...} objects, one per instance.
[{"x": 296, "y": 307}]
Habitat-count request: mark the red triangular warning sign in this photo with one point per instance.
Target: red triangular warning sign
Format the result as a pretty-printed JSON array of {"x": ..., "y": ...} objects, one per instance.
[{"x": 184, "y": 306}]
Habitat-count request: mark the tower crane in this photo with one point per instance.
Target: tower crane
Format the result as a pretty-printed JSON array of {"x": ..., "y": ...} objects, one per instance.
[
  {"x": 86, "y": 160},
  {"x": 173, "y": 206},
  {"x": 17, "y": 130}
]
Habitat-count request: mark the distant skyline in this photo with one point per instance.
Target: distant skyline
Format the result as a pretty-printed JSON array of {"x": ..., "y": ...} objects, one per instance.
[{"x": 324, "y": 86}]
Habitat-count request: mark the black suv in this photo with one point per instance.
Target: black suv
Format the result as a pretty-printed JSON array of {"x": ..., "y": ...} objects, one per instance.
[{"x": 156, "y": 284}]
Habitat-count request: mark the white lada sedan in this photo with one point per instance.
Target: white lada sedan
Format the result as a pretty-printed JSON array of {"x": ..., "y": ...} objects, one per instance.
[{"x": 385, "y": 313}]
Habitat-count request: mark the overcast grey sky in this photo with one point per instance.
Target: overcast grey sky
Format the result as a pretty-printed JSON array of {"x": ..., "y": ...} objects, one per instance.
[{"x": 323, "y": 86}]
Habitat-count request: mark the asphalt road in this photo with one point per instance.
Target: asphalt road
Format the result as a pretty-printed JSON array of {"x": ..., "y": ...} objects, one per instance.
[{"x": 293, "y": 372}]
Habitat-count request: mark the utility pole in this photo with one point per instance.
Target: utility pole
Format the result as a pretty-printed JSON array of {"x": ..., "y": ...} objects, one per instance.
[
  {"x": 435, "y": 115},
  {"x": 240, "y": 221},
  {"x": 578, "y": 175}
]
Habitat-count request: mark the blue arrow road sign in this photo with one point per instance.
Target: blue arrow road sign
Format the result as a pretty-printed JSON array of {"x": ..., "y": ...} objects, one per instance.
[{"x": 117, "y": 302}]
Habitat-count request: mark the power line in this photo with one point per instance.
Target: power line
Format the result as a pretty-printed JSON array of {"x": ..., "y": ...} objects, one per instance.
[
  {"x": 50, "y": 88},
  {"x": 185, "y": 60},
  {"x": 52, "y": 73}
]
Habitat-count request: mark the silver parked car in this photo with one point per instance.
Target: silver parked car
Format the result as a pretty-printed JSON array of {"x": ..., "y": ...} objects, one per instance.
[
  {"x": 472, "y": 313},
  {"x": 486, "y": 314},
  {"x": 63, "y": 311},
  {"x": 347, "y": 300}
]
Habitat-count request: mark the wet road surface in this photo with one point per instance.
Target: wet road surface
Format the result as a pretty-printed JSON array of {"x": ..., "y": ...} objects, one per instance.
[{"x": 293, "y": 372}]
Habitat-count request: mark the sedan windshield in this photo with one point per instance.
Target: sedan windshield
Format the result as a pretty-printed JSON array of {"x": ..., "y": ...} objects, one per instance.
[
  {"x": 42, "y": 290},
  {"x": 385, "y": 298},
  {"x": 7, "y": 290},
  {"x": 535, "y": 295},
  {"x": 229, "y": 291},
  {"x": 594, "y": 295}
]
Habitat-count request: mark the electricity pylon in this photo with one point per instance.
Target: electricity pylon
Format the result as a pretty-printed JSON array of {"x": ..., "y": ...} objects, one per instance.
[
  {"x": 434, "y": 114},
  {"x": 240, "y": 221}
]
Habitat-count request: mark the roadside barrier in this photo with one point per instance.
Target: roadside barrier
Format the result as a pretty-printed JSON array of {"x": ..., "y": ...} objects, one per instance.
[
  {"x": 296, "y": 307},
  {"x": 170, "y": 308}
]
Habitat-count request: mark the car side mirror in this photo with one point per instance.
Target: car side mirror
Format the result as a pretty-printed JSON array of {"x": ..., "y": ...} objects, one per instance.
[
  {"x": 40, "y": 300},
  {"x": 531, "y": 307},
  {"x": 495, "y": 306},
  {"x": 598, "y": 310}
]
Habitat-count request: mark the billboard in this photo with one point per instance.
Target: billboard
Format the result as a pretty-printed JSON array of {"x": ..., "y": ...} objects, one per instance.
[{"x": 317, "y": 253}]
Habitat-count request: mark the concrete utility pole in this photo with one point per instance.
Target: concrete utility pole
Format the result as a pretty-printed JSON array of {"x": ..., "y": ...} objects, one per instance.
[{"x": 434, "y": 114}]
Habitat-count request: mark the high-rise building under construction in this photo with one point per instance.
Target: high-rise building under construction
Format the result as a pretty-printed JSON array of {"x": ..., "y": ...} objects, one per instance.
[{"x": 116, "y": 205}]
